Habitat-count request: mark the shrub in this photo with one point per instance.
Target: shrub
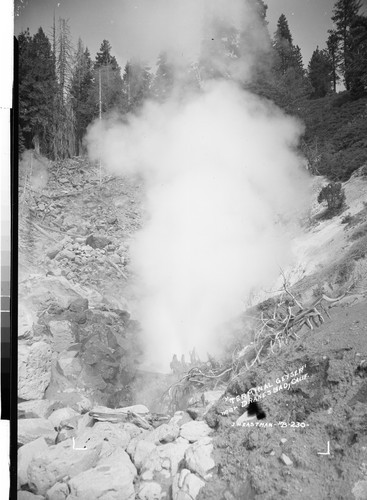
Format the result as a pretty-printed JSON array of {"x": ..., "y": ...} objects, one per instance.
[
  {"x": 344, "y": 272},
  {"x": 334, "y": 195}
]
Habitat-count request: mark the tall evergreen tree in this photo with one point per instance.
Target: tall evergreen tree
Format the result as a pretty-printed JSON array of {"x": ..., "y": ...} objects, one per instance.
[
  {"x": 136, "y": 82},
  {"x": 107, "y": 81},
  {"x": 37, "y": 88},
  {"x": 163, "y": 82},
  {"x": 289, "y": 74},
  {"x": 332, "y": 47},
  {"x": 357, "y": 61},
  {"x": 344, "y": 14},
  {"x": 320, "y": 72},
  {"x": 104, "y": 57},
  {"x": 81, "y": 86},
  {"x": 287, "y": 54}
]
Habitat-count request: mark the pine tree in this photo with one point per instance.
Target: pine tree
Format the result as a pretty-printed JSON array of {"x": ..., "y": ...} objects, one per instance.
[
  {"x": 289, "y": 74},
  {"x": 37, "y": 88},
  {"x": 104, "y": 57},
  {"x": 163, "y": 82},
  {"x": 107, "y": 75},
  {"x": 136, "y": 83},
  {"x": 81, "y": 86},
  {"x": 344, "y": 14},
  {"x": 357, "y": 59},
  {"x": 332, "y": 47},
  {"x": 320, "y": 73},
  {"x": 283, "y": 44}
]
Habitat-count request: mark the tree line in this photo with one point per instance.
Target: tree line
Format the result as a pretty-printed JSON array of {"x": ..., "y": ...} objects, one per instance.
[{"x": 62, "y": 90}]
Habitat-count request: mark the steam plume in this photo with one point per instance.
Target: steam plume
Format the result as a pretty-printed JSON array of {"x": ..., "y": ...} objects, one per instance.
[{"x": 221, "y": 176}]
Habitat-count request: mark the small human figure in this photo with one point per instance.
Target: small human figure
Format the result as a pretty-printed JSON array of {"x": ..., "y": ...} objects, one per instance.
[{"x": 175, "y": 365}]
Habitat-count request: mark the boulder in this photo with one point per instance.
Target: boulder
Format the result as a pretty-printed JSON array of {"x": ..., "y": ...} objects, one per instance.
[
  {"x": 195, "y": 430},
  {"x": 186, "y": 482},
  {"x": 109, "y": 437},
  {"x": 54, "y": 250},
  {"x": 150, "y": 491},
  {"x": 62, "y": 415},
  {"x": 142, "y": 451},
  {"x": 65, "y": 254},
  {"x": 69, "y": 364},
  {"x": 27, "y": 495},
  {"x": 62, "y": 335},
  {"x": 27, "y": 316},
  {"x": 90, "y": 377},
  {"x": 96, "y": 241},
  {"x": 30, "y": 429},
  {"x": 198, "y": 457},
  {"x": 132, "y": 429},
  {"x": 78, "y": 305},
  {"x": 111, "y": 479},
  {"x": 36, "y": 408},
  {"x": 57, "y": 462},
  {"x": 34, "y": 369},
  {"x": 166, "y": 457},
  {"x": 165, "y": 433},
  {"x": 39, "y": 292},
  {"x": 58, "y": 491},
  {"x": 180, "y": 418},
  {"x": 68, "y": 397},
  {"x": 26, "y": 454}
]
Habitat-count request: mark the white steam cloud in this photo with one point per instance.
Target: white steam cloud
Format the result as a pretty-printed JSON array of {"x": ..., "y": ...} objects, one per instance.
[
  {"x": 221, "y": 172},
  {"x": 223, "y": 182}
]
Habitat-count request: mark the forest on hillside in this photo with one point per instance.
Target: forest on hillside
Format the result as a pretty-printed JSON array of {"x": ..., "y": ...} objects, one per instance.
[{"x": 62, "y": 89}]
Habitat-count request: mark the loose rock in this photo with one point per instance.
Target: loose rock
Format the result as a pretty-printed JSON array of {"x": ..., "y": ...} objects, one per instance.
[
  {"x": 111, "y": 479},
  {"x": 285, "y": 459},
  {"x": 58, "y": 461},
  {"x": 34, "y": 370},
  {"x": 62, "y": 335},
  {"x": 198, "y": 457},
  {"x": 26, "y": 454},
  {"x": 195, "y": 430},
  {"x": 59, "y": 491},
  {"x": 30, "y": 429},
  {"x": 150, "y": 491}
]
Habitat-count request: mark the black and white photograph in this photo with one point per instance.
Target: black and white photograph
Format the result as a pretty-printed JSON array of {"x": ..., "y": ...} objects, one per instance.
[{"x": 191, "y": 221}]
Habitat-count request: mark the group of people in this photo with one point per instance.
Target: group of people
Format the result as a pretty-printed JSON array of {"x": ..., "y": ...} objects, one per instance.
[{"x": 183, "y": 366}]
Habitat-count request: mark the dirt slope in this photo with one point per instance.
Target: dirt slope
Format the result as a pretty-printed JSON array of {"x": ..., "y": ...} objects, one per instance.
[{"x": 331, "y": 402}]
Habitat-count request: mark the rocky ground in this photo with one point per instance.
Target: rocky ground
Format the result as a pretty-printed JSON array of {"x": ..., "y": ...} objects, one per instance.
[{"x": 90, "y": 425}]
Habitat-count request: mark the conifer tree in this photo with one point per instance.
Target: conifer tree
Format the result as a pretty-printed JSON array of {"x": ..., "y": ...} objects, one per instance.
[
  {"x": 104, "y": 57},
  {"x": 37, "y": 88},
  {"x": 164, "y": 79},
  {"x": 136, "y": 83},
  {"x": 332, "y": 47},
  {"x": 289, "y": 74},
  {"x": 107, "y": 75},
  {"x": 320, "y": 72},
  {"x": 344, "y": 14},
  {"x": 357, "y": 61},
  {"x": 81, "y": 85},
  {"x": 288, "y": 56}
]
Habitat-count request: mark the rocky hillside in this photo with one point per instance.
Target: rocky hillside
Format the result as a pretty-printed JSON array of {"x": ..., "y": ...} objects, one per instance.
[{"x": 284, "y": 421}]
